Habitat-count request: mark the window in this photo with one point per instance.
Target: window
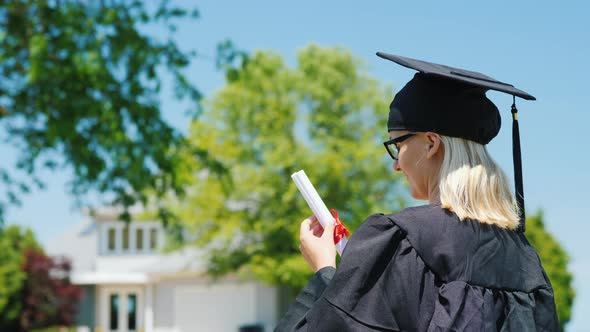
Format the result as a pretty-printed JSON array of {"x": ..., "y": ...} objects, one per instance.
[
  {"x": 131, "y": 312},
  {"x": 112, "y": 239},
  {"x": 114, "y": 312},
  {"x": 139, "y": 239},
  {"x": 126, "y": 238},
  {"x": 119, "y": 238},
  {"x": 153, "y": 238}
]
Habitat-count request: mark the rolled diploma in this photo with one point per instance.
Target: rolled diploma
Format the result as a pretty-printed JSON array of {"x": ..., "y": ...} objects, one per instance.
[{"x": 316, "y": 204}]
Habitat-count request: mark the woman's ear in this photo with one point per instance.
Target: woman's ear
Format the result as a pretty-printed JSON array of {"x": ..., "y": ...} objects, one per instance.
[{"x": 434, "y": 144}]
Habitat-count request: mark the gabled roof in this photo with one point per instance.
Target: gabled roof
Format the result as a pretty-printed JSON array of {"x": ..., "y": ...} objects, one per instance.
[{"x": 80, "y": 244}]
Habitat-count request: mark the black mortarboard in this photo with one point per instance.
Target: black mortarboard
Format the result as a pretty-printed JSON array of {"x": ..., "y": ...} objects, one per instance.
[{"x": 452, "y": 102}]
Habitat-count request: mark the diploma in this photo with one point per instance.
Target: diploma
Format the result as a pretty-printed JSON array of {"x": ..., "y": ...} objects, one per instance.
[{"x": 318, "y": 207}]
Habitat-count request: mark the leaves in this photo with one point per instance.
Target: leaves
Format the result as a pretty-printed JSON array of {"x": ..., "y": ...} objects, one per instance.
[
  {"x": 35, "y": 290},
  {"x": 78, "y": 84},
  {"x": 324, "y": 116},
  {"x": 13, "y": 243},
  {"x": 48, "y": 296},
  {"x": 555, "y": 261}
]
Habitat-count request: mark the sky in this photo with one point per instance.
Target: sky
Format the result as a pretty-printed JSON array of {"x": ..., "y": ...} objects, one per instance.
[{"x": 541, "y": 47}]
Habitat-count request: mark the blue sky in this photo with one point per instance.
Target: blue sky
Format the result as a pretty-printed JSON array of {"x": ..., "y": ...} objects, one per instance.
[{"x": 541, "y": 47}]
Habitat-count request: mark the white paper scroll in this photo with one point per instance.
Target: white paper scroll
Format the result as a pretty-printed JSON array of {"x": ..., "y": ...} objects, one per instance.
[{"x": 316, "y": 204}]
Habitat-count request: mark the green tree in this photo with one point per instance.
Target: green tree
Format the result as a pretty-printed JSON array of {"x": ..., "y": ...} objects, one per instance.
[
  {"x": 555, "y": 260},
  {"x": 79, "y": 87},
  {"x": 14, "y": 242},
  {"x": 325, "y": 116},
  {"x": 35, "y": 290}
]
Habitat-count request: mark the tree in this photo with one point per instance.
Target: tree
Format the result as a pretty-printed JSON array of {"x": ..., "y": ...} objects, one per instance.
[
  {"x": 79, "y": 87},
  {"x": 35, "y": 290},
  {"x": 325, "y": 116},
  {"x": 14, "y": 241},
  {"x": 555, "y": 261},
  {"x": 49, "y": 299}
]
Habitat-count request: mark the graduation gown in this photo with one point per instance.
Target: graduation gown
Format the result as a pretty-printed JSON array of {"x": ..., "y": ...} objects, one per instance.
[{"x": 423, "y": 269}]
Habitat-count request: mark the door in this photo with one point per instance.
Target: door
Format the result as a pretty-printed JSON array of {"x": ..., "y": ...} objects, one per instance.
[{"x": 121, "y": 308}]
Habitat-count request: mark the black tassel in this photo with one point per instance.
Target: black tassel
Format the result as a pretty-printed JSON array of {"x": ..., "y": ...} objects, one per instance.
[{"x": 517, "y": 160}]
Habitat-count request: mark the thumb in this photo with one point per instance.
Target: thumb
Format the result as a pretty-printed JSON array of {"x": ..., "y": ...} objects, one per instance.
[{"x": 328, "y": 230}]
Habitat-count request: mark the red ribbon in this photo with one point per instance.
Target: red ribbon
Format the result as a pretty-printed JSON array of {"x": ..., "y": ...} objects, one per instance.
[{"x": 340, "y": 230}]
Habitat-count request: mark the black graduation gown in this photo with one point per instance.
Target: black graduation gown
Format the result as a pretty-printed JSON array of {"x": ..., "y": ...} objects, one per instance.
[{"x": 423, "y": 269}]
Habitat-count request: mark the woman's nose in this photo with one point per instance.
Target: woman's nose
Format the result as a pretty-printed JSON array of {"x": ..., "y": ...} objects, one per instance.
[{"x": 396, "y": 166}]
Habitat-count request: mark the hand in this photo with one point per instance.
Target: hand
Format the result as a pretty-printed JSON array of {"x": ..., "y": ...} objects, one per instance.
[{"x": 317, "y": 244}]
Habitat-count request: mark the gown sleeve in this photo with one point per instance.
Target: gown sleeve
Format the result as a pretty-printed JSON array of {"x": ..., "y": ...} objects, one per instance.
[
  {"x": 306, "y": 299},
  {"x": 332, "y": 299}
]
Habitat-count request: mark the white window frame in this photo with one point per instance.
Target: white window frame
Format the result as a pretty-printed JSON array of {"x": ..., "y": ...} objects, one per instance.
[{"x": 118, "y": 226}]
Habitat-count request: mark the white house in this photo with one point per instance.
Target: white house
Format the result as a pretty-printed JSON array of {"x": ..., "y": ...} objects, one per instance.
[{"x": 129, "y": 285}]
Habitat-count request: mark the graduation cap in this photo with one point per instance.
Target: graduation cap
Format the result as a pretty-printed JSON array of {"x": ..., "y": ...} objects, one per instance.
[{"x": 452, "y": 102}]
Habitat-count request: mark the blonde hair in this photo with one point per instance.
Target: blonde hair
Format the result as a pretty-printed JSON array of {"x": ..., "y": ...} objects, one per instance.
[{"x": 473, "y": 186}]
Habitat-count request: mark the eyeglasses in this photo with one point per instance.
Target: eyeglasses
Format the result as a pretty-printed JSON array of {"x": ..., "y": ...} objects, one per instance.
[{"x": 391, "y": 145}]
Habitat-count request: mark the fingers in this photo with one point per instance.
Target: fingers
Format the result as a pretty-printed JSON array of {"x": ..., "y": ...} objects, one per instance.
[
  {"x": 317, "y": 230},
  {"x": 305, "y": 226},
  {"x": 308, "y": 229},
  {"x": 328, "y": 230},
  {"x": 308, "y": 224},
  {"x": 311, "y": 227}
]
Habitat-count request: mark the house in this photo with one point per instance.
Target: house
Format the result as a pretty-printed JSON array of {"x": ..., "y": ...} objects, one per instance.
[{"x": 130, "y": 285}]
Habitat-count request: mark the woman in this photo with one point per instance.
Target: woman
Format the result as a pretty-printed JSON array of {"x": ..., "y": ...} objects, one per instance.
[{"x": 460, "y": 263}]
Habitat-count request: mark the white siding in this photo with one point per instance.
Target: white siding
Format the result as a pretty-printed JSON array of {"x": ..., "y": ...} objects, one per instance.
[
  {"x": 125, "y": 263},
  {"x": 195, "y": 305},
  {"x": 164, "y": 305},
  {"x": 222, "y": 308},
  {"x": 267, "y": 303}
]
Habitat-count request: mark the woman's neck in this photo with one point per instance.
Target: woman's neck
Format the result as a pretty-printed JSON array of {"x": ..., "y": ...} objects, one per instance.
[{"x": 434, "y": 196}]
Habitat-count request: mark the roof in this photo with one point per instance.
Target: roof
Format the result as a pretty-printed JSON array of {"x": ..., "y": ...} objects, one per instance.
[{"x": 80, "y": 244}]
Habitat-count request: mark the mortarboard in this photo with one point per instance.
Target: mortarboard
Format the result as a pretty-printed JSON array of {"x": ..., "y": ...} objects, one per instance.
[{"x": 452, "y": 102}]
